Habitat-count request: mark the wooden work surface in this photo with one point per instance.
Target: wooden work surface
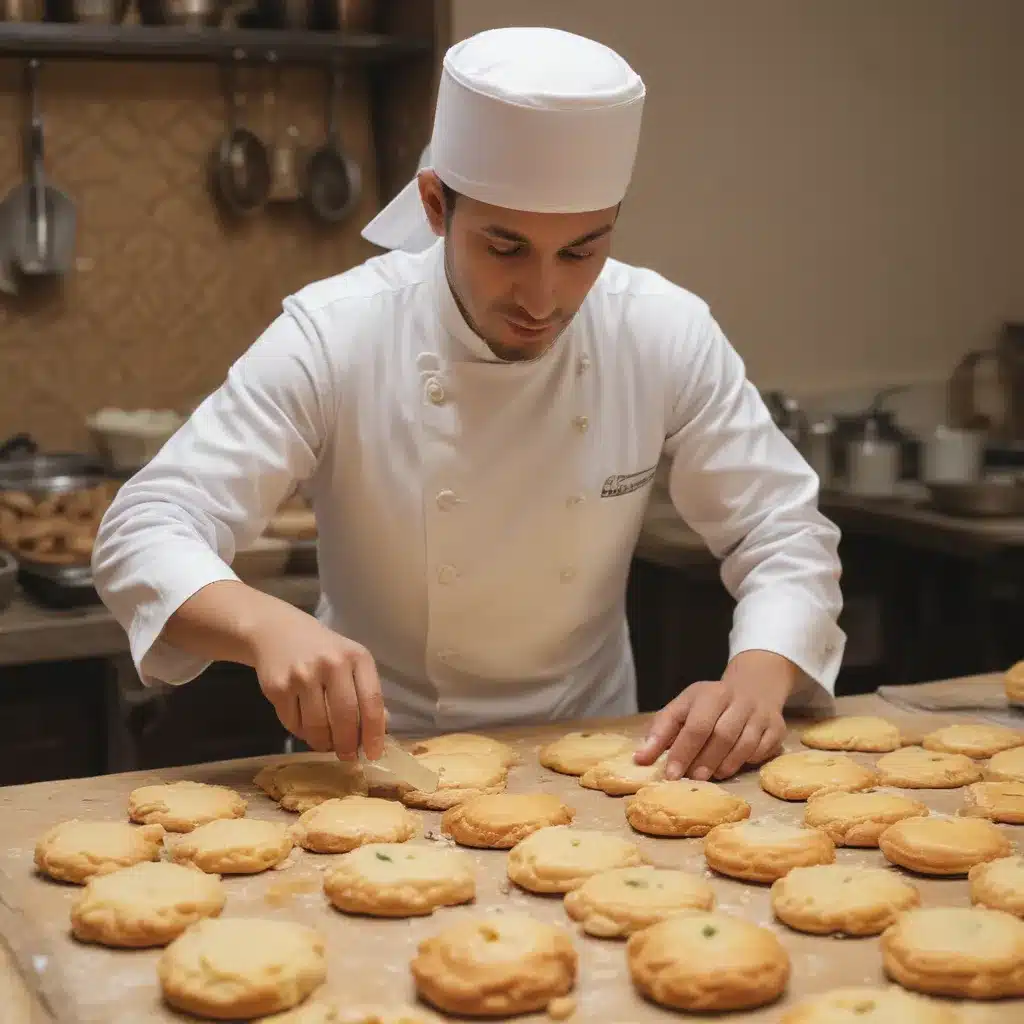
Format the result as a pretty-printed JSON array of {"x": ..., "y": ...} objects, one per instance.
[{"x": 78, "y": 984}]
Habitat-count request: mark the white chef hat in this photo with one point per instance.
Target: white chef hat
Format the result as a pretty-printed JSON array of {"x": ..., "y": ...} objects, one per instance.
[{"x": 529, "y": 119}]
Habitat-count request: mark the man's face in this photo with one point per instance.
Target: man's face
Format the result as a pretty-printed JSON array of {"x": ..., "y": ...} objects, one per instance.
[{"x": 518, "y": 277}]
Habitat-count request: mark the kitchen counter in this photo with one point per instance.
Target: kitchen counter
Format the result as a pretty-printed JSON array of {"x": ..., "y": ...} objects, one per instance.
[{"x": 64, "y": 981}]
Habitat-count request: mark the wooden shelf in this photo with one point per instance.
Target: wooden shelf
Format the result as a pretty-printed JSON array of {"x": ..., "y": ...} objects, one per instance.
[{"x": 160, "y": 43}]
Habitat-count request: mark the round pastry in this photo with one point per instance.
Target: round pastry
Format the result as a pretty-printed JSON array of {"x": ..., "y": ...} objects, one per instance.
[
  {"x": 999, "y": 884},
  {"x": 622, "y": 776},
  {"x": 800, "y": 776},
  {"x": 298, "y": 785},
  {"x": 870, "y": 1006},
  {"x": 684, "y": 808},
  {"x": 460, "y": 777},
  {"x": 763, "y": 850},
  {"x": 182, "y": 806},
  {"x": 226, "y": 968},
  {"x": 339, "y": 825},
  {"x": 560, "y": 858},
  {"x": 1014, "y": 683},
  {"x": 997, "y": 801},
  {"x": 954, "y": 951},
  {"x": 575, "y": 752},
  {"x": 75, "y": 851},
  {"x": 239, "y": 846},
  {"x": 855, "y": 732},
  {"x": 943, "y": 846},
  {"x": 465, "y": 743},
  {"x": 708, "y": 962},
  {"x": 1006, "y": 766},
  {"x": 500, "y": 821},
  {"x": 973, "y": 739},
  {"x": 858, "y": 819},
  {"x": 827, "y": 899},
  {"x": 616, "y": 903},
  {"x": 147, "y": 904},
  {"x": 495, "y": 966},
  {"x": 317, "y": 1012},
  {"x": 917, "y": 768},
  {"x": 399, "y": 880}
]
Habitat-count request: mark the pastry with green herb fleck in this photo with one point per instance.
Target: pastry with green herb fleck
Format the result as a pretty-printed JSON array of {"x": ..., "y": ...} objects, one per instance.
[
  {"x": 575, "y": 752},
  {"x": 684, "y": 808},
  {"x": 622, "y": 776},
  {"x": 833, "y": 899},
  {"x": 616, "y": 903},
  {"x": 799, "y": 776},
  {"x": 764, "y": 850},
  {"x": 708, "y": 962},
  {"x": 400, "y": 880},
  {"x": 500, "y": 820},
  {"x": 871, "y": 1006},
  {"x": 558, "y": 859},
  {"x": 341, "y": 824}
]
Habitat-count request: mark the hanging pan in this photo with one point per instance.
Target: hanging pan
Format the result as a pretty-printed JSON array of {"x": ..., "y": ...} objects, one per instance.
[{"x": 333, "y": 181}]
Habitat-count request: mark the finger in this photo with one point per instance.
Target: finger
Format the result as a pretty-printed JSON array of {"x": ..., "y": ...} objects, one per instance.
[
  {"x": 343, "y": 707},
  {"x": 316, "y": 730},
  {"x": 770, "y": 744},
  {"x": 664, "y": 728},
  {"x": 727, "y": 731},
  {"x": 286, "y": 704},
  {"x": 742, "y": 750},
  {"x": 372, "y": 713},
  {"x": 697, "y": 727}
]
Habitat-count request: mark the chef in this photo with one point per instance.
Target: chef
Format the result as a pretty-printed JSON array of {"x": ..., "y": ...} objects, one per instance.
[{"x": 476, "y": 417}]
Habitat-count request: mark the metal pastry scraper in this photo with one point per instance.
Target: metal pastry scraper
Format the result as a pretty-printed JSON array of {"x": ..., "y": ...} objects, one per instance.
[{"x": 397, "y": 767}]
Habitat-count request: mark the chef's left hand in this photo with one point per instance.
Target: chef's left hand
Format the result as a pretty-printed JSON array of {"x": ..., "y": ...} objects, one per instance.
[{"x": 712, "y": 729}]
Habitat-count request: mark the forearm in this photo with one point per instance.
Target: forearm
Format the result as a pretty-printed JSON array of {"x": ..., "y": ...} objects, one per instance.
[
  {"x": 771, "y": 675},
  {"x": 223, "y": 621}
]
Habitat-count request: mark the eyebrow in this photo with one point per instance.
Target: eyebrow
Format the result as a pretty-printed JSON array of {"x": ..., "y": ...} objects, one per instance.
[{"x": 511, "y": 236}]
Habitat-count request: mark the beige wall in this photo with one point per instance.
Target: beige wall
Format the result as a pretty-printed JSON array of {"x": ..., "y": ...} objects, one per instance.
[{"x": 843, "y": 180}]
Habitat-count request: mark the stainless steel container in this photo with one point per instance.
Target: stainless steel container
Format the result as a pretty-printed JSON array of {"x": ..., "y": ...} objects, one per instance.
[
  {"x": 820, "y": 451},
  {"x": 980, "y": 498}
]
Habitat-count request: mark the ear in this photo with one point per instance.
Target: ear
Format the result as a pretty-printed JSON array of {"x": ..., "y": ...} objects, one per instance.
[{"x": 432, "y": 198}]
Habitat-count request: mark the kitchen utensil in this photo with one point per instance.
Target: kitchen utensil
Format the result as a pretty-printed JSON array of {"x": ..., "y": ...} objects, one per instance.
[
  {"x": 397, "y": 767},
  {"x": 873, "y": 464},
  {"x": 1004, "y": 418},
  {"x": 333, "y": 181},
  {"x": 22, "y": 10},
  {"x": 980, "y": 498},
  {"x": 184, "y": 13},
  {"x": 284, "y": 169},
  {"x": 42, "y": 216},
  {"x": 240, "y": 162},
  {"x": 127, "y": 440},
  {"x": 953, "y": 456},
  {"x": 820, "y": 451}
]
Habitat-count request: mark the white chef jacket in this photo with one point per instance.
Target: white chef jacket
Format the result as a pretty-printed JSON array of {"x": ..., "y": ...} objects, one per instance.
[{"x": 476, "y": 517}]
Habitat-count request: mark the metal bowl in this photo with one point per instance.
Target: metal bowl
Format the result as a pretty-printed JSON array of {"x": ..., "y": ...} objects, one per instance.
[{"x": 979, "y": 499}]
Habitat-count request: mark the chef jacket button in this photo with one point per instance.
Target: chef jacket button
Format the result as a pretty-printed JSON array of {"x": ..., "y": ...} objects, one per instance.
[
  {"x": 447, "y": 500},
  {"x": 435, "y": 391},
  {"x": 447, "y": 574},
  {"x": 583, "y": 364},
  {"x": 581, "y": 423},
  {"x": 568, "y": 574},
  {"x": 574, "y": 499}
]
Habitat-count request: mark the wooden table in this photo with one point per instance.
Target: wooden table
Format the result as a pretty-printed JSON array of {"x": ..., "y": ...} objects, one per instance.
[{"x": 78, "y": 984}]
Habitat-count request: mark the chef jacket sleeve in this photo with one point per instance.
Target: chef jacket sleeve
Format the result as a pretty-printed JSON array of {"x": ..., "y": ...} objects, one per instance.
[
  {"x": 739, "y": 482},
  {"x": 175, "y": 526}
]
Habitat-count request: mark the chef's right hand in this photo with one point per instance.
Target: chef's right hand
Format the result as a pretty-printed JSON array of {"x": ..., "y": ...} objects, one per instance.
[{"x": 324, "y": 687}]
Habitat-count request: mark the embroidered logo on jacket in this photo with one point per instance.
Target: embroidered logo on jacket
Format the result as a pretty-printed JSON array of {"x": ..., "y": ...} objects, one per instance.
[{"x": 625, "y": 483}]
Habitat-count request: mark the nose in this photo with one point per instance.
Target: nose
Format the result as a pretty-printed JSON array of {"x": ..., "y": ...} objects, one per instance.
[{"x": 536, "y": 292}]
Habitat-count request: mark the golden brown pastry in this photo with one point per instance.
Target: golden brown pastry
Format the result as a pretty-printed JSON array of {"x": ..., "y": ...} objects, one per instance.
[
  {"x": 684, "y": 808},
  {"x": 954, "y": 951},
  {"x": 870, "y": 1006},
  {"x": 827, "y": 899},
  {"x": 943, "y": 846},
  {"x": 341, "y": 824},
  {"x": 999, "y": 885},
  {"x": 500, "y": 821},
  {"x": 460, "y": 777},
  {"x": 575, "y": 752},
  {"x": 973, "y": 739},
  {"x": 622, "y": 776},
  {"x": 800, "y": 776},
  {"x": 495, "y": 966},
  {"x": 917, "y": 768},
  {"x": 763, "y": 850},
  {"x": 997, "y": 801},
  {"x": 702, "y": 962},
  {"x": 75, "y": 851},
  {"x": 1014, "y": 682},
  {"x": 339, "y": 1012},
  {"x": 235, "y": 846},
  {"x": 182, "y": 806},
  {"x": 858, "y": 819},
  {"x": 560, "y": 858},
  {"x": 616, "y": 903},
  {"x": 299, "y": 784},
  {"x": 855, "y": 732},
  {"x": 1006, "y": 766},
  {"x": 226, "y": 968},
  {"x": 465, "y": 743}
]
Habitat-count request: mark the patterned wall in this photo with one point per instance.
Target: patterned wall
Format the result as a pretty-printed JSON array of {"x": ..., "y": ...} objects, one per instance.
[{"x": 165, "y": 294}]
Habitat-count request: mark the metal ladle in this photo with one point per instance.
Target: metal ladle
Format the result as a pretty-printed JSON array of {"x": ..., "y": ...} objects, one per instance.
[{"x": 333, "y": 180}]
